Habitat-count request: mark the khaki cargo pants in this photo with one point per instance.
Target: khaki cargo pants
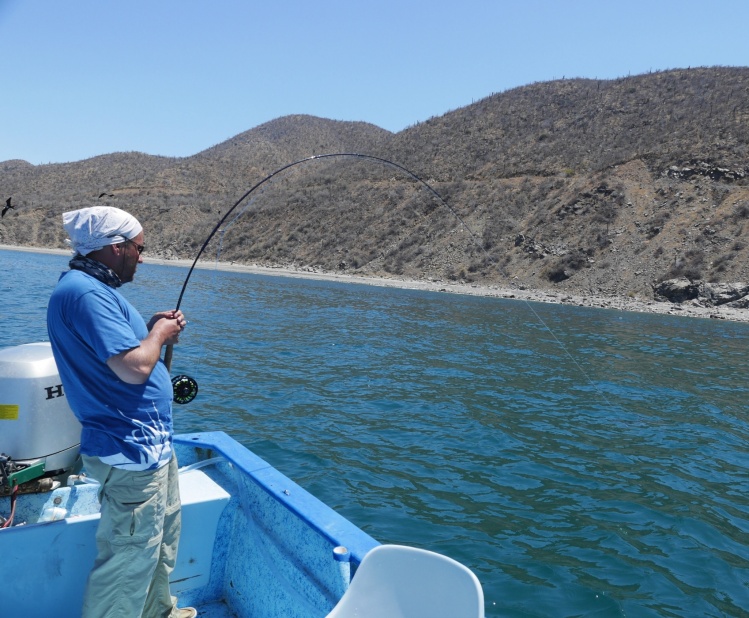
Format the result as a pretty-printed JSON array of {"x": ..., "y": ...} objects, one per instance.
[{"x": 136, "y": 541}]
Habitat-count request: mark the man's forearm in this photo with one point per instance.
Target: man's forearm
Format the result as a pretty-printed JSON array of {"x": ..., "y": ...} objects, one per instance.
[{"x": 135, "y": 365}]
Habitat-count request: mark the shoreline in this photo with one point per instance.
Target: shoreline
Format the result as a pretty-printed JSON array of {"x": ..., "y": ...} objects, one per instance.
[{"x": 692, "y": 310}]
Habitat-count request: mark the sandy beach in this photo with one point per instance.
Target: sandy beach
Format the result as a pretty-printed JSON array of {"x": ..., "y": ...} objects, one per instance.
[{"x": 687, "y": 309}]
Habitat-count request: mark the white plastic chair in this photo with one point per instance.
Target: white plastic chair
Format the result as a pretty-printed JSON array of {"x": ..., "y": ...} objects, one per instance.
[{"x": 394, "y": 581}]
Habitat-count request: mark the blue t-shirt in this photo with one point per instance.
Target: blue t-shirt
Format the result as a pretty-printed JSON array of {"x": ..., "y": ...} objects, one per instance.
[{"x": 126, "y": 425}]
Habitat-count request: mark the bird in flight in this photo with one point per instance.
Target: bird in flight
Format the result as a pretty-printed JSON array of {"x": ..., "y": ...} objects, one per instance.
[
  {"x": 7, "y": 207},
  {"x": 105, "y": 193}
]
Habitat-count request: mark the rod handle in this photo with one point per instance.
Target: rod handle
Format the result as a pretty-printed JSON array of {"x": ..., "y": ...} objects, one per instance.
[{"x": 168, "y": 356}]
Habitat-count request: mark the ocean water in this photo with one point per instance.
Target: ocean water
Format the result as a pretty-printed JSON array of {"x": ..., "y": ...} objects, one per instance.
[{"x": 582, "y": 462}]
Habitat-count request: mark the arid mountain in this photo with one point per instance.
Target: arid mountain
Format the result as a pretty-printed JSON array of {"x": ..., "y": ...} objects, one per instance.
[{"x": 582, "y": 186}]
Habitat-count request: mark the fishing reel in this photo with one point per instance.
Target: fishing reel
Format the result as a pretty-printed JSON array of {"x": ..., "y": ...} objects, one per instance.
[{"x": 185, "y": 389}]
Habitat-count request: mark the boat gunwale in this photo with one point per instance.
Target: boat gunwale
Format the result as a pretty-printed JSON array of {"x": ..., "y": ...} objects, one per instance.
[{"x": 331, "y": 525}]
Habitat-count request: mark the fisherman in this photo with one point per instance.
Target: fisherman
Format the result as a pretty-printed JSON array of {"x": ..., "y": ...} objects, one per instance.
[{"x": 120, "y": 391}]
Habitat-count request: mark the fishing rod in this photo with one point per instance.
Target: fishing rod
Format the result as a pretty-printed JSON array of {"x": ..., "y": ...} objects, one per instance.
[{"x": 186, "y": 388}]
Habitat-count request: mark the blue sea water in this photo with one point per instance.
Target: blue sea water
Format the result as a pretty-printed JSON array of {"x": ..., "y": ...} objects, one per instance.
[{"x": 582, "y": 462}]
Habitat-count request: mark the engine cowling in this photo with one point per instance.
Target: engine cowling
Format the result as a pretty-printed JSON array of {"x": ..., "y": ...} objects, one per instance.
[{"x": 36, "y": 422}]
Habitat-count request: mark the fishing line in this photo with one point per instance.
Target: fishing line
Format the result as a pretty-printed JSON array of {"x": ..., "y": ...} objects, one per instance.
[{"x": 186, "y": 388}]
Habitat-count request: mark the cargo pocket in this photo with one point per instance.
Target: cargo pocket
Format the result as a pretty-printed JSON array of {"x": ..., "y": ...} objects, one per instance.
[
  {"x": 136, "y": 508},
  {"x": 146, "y": 520}
]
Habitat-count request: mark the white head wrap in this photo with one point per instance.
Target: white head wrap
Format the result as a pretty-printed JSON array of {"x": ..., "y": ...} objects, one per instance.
[{"x": 96, "y": 227}]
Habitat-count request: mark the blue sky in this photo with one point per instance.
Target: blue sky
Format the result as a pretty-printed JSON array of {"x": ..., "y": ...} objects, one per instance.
[{"x": 173, "y": 77}]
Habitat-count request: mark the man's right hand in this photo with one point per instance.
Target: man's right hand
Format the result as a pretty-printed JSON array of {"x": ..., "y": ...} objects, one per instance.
[{"x": 135, "y": 365}]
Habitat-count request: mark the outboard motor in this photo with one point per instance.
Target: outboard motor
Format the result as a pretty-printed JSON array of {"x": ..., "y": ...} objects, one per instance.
[{"x": 39, "y": 435}]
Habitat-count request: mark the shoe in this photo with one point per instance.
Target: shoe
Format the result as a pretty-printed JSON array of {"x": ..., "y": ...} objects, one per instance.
[{"x": 184, "y": 612}]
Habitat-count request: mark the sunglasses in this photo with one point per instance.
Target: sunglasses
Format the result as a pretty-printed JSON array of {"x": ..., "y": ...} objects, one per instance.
[{"x": 140, "y": 248}]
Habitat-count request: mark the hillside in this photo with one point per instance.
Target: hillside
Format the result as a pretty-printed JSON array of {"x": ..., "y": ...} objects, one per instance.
[{"x": 578, "y": 186}]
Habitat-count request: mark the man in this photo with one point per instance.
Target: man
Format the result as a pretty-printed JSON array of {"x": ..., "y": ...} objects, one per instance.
[{"x": 120, "y": 391}]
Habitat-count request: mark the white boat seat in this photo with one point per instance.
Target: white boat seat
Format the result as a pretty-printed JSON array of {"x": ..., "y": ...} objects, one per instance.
[{"x": 394, "y": 581}]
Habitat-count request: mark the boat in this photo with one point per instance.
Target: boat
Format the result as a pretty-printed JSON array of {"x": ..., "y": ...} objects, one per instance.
[{"x": 253, "y": 543}]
